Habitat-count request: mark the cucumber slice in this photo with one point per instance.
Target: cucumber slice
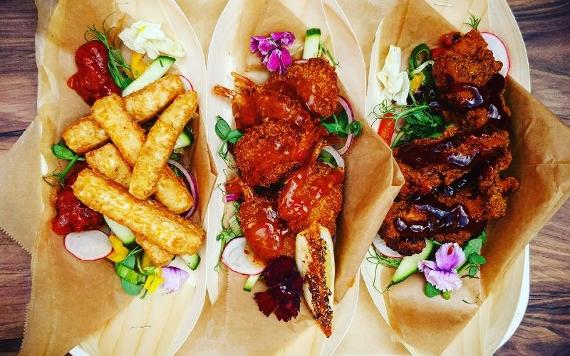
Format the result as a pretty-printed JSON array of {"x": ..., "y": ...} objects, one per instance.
[
  {"x": 122, "y": 232},
  {"x": 192, "y": 261},
  {"x": 409, "y": 264},
  {"x": 230, "y": 220},
  {"x": 154, "y": 72},
  {"x": 250, "y": 282},
  {"x": 312, "y": 43},
  {"x": 182, "y": 141}
]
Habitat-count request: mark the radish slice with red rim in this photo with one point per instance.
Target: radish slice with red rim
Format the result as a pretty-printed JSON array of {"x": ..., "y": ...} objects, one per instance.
[
  {"x": 499, "y": 49},
  {"x": 381, "y": 247},
  {"x": 236, "y": 258},
  {"x": 88, "y": 245}
]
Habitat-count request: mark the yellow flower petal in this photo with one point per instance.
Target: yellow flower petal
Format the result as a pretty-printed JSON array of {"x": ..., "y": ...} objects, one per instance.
[
  {"x": 119, "y": 251},
  {"x": 138, "y": 65}
]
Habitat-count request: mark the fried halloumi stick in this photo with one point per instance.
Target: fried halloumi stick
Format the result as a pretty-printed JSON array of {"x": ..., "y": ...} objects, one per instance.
[
  {"x": 157, "y": 255},
  {"x": 129, "y": 138},
  {"x": 160, "y": 143},
  {"x": 150, "y": 221},
  {"x": 108, "y": 161},
  {"x": 86, "y": 134}
]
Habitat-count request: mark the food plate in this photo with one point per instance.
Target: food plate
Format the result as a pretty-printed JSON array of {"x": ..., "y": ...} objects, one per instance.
[{"x": 507, "y": 314}]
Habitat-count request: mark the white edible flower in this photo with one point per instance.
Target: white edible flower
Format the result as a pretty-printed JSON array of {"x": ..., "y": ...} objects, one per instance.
[
  {"x": 395, "y": 82},
  {"x": 147, "y": 37}
]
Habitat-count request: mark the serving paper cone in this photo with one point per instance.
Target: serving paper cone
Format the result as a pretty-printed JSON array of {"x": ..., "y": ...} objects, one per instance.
[
  {"x": 541, "y": 155},
  {"x": 372, "y": 181},
  {"x": 71, "y": 299}
]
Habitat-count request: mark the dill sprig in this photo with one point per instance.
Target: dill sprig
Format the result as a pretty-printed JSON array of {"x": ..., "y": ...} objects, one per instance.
[
  {"x": 474, "y": 21},
  {"x": 117, "y": 66}
]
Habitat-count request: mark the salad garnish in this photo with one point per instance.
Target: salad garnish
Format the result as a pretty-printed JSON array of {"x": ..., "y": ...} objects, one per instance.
[{"x": 118, "y": 68}]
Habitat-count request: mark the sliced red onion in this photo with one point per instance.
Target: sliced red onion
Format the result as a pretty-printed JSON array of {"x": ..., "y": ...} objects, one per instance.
[
  {"x": 232, "y": 197},
  {"x": 336, "y": 155},
  {"x": 346, "y": 106},
  {"x": 191, "y": 183},
  {"x": 187, "y": 81}
]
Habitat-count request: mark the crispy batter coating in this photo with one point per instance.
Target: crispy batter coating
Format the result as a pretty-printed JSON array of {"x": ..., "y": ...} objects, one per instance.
[
  {"x": 314, "y": 82},
  {"x": 312, "y": 194},
  {"x": 145, "y": 218},
  {"x": 157, "y": 255},
  {"x": 86, "y": 134},
  {"x": 129, "y": 139},
  {"x": 108, "y": 161},
  {"x": 254, "y": 104},
  {"x": 431, "y": 163},
  {"x": 467, "y": 62},
  {"x": 159, "y": 144},
  {"x": 266, "y": 233},
  {"x": 268, "y": 152}
]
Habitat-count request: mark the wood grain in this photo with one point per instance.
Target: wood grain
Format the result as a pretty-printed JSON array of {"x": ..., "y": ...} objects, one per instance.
[{"x": 545, "y": 25}]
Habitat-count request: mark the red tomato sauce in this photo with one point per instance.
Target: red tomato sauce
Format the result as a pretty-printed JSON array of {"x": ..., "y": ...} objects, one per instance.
[
  {"x": 72, "y": 214},
  {"x": 93, "y": 79}
]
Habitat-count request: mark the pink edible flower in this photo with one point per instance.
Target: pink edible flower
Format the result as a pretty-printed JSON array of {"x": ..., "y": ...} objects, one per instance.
[
  {"x": 173, "y": 277},
  {"x": 273, "y": 50},
  {"x": 442, "y": 273}
]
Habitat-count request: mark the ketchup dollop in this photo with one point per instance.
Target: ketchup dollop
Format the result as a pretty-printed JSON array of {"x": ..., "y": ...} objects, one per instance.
[
  {"x": 72, "y": 214},
  {"x": 93, "y": 79}
]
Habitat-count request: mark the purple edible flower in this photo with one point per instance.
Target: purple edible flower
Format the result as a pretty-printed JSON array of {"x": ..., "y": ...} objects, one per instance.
[
  {"x": 442, "y": 273},
  {"x": 173, "y": 278},
  {"x": 273, "y": 50}
]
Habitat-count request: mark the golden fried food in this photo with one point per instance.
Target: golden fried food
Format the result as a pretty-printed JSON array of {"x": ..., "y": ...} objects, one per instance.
[
  {"x": 159, "y": 144},
  {"x": 312, "y": 194},
  {"x": 314, "y": 82},
  {"x": 108, "y": 161},
  {"x": 253, "y": 104},
  {"x": 266, "y": 233},
  {"x": 157, "y": 255},
  {"x": 129, "y": 139},
  {"x": 268, "y": 152},
  {"x": 110, "y": 113},
  {"x": 86, "y": 134},
  {"x": 146, "y": 219},
  {"x": 467, "y": 62}
]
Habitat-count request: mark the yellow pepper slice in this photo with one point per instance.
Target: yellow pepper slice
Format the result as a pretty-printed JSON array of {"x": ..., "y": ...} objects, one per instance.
[
  {"x": 138, "y": 65},
  {"x": 153, "y": 282},
  {"x": 119, "y": 251}
]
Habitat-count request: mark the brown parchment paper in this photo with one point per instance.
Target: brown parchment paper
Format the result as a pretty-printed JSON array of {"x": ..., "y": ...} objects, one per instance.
[
  {"x": 541, "y": 155},
  {"x": 70, "y": 299}
]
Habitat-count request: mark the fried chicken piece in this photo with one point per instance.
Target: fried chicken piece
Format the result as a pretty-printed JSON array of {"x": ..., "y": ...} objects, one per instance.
[
  {"x": 314, "y": 82},
  {"x": 431, "y": 163},
  {"x": 467, "y": 62},
  {"x": 270, "y": 151},
  {"x": 253, "y": 104},
  {"x": 312, "y": 194},
  {"x": 267, "y": 235}
]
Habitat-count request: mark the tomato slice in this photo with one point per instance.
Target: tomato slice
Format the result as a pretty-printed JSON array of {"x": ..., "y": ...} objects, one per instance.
[{"x": 386, "y": 128}]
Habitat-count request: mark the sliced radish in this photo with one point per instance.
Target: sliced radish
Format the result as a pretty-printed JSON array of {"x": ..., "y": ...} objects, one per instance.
[
  {"x": 236, "y": 258},
  {"x": 88, "y": 245},
  {"x": 382, "y": 248},
  {"x": 499, "y": 49}
]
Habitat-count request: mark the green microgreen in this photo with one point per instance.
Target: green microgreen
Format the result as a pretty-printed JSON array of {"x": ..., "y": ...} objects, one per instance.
[
  {"x": 380, "y": 260},
  {"x": 419, "y": 121},
  {"x": 61, "y": 151},
  {"x": 474, "y": 259},
  {"x": 337, "y": 124},
  {"x": 227, "y": 135},
  {"x": 117, "y": 66}
]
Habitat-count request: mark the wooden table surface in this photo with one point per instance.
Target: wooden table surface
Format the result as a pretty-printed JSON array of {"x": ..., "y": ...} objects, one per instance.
[{"x": 545, "y": 25}]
